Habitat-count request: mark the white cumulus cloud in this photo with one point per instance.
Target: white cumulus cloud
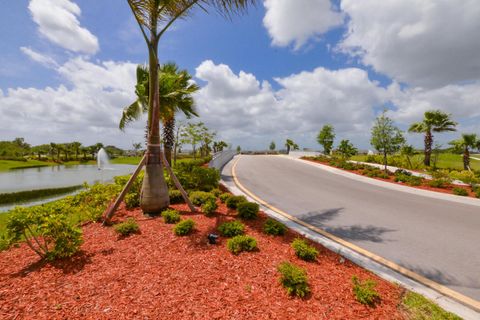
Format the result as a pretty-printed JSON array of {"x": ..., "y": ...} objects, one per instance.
[
  {"x": 424, "y": 43},
  {"x": 39, "y": 57},
  {"x": 57, "y": 20},
  {"x": 295, "y": 22}
]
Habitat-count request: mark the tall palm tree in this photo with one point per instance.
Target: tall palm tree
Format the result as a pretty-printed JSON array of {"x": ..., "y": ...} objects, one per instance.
[
  {"x": 465, "y": 143},
  {"x": 152, "y": 15},
  {"x": 175, "y": 90},
  {"x": 433, "y": 121},
  {"x": 76, "y": 148}
]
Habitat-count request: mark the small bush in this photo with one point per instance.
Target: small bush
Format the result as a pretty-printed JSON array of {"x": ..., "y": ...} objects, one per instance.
[
  {"x": 216, "y": 192},
  {"x": 408, "y": 179},
  {"x": 294, "y": 279},
  {"x": 224, "y": 196},
  {"x": 274, "y": 228},
  {"x": 233, "y": 201},
  {"x": 248, "y": 210},
  {"x": 127, "y": 227},
  {"x": 365, "y": 292},
  {"x": 4, "y": 243},
  {"x": 132, "y": 200},
  {"x": 231, "y": 229},
  {"x": 171, "y": 216},
  {"x": 200, "y": 197},
  {"x": 175, "y": 196},
  {"x": 184, "y": 227},
  {"x": 437, "y": 183},
  {"x": 58, "y": 238},
  {"x": 209, "y": 207},
  {"x": 304, "y": 251},
  {"x": 460, "y": 191},
  {"x": 241, "y": 243},
  {"x": 194, "y": 177}
]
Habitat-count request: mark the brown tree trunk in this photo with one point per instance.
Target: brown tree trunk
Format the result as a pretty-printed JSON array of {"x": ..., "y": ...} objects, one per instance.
[
  {"x": 428, "y": 148},
  {"x": 466, "y": 159}
]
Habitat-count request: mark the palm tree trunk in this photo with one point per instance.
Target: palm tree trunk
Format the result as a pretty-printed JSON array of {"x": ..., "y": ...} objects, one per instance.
[
  {"x": 428, "y": 148},
  {"x": 466, "y": 159},
  {"x": 169, "y": 137},
  {"x": 154, "y": 195}
]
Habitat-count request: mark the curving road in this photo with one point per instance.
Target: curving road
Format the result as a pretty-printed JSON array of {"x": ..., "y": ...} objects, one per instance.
[{"x": 439, "y": 239}]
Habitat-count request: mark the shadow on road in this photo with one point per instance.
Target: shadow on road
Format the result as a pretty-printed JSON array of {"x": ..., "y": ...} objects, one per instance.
[{"x": 355, "y": 232}]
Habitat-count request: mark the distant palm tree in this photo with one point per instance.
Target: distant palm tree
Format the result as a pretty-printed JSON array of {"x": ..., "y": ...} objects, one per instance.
[
  {"x": 175, "y": 89},
  {"x": 433, "y": 121},
  {"x": 76, "y": 148},
  {"x": 465, "y": 143},
  {"x": 289, "y": 144}
]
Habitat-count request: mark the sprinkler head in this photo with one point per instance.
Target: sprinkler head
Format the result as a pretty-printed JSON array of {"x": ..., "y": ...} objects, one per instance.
[{"x": 212, "y": 238}]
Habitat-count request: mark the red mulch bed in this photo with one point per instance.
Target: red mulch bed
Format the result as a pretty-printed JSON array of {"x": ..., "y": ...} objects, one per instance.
[
  {"x": 448, "y": 188},
  {"x": 157, "y": 275}
]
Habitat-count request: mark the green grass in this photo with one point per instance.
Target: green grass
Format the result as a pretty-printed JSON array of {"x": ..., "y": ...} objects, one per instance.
[
  {"x": 126, "y": 160},
  {"x": 13, "y": 197},
  {"x": 445, "y": 160},
  {"x": 420, "y": 308},
  {"x": 6, "y": 165}
]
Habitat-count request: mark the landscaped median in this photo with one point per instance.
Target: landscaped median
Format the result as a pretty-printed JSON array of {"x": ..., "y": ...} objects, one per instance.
[
  {"x": 226, "y": 261},
  {"x": 441, "y": 180}
]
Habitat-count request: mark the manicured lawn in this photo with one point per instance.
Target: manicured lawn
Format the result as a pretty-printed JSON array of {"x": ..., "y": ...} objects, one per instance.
[
  {"x": 419, "y": 308},
  {"x": 445, "y": 160},
  {"x": 6, "y": 165}
]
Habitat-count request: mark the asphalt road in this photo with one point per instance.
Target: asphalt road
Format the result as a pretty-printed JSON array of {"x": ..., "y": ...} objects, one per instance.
[{"x": 438, "y": 239}]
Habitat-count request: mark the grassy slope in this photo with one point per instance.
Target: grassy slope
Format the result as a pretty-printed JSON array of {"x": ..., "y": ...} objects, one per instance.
[
  {"x": 445, "y": 160},
  {"x": 420, "y": 308}
]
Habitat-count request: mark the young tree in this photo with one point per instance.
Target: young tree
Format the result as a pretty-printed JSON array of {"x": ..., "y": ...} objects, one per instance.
[
  {"x": 433, "y": 121},
  {"x": 346, "y": 149},
  {"x": 464, "y": 144},
  {"x": 289, "y": 144},
  {"x": 408, "y": 151},
  {"x": 272, "y": 146},
  {"x": 192, "y": 135},
  {"x": 325, "y": 137},
  {"x": 137, "y": 146},
  {"x": 239, "y": 149},
  {"x": 386, "y": 138}
]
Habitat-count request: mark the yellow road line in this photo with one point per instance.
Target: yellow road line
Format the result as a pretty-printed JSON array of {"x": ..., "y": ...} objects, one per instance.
[{"x": 392, "y": 265}]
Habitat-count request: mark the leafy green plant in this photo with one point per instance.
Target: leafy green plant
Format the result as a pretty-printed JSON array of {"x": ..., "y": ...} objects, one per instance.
[
  {"x": 216, "y": 192},
  {"x": 437, "y": 183},
  {"x": 47, "y": 233},
  {"x": 128, "y": 227},
  {"x": 175, "y": 196},
  {"x": 231, "y": 229},
  {"x": 294, "y": 279},
  {"x": 304, "y": 251},
  {"x": 184, "y": 227},
  {"x": 248, "y": 210},
  {"x": 233, "y": 201},
  {"x": 194, "y": 177},
  {"x": 273, "y": 227},
  {"x": 200, "y": 197},
  {"x": 408, "y": 179},
  {"x": 241, "y": 243},
  {"x": 132, "y": 199},
  {"x": 460, "y": 191},
  {"x": 224, "y": 196},
  {"x": 171, "y": 216},
  {"x": 365, "y": 292},
  {"x": 209, "y": 207}
]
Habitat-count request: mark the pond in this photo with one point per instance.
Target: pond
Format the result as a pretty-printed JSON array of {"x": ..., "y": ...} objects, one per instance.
[{"x": 56, "y": 177}]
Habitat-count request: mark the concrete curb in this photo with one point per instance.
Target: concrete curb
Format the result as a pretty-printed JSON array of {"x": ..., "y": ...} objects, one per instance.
[{"x": 366, "y": 262}]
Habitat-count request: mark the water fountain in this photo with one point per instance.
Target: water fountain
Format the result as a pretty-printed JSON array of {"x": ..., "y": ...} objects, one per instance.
[{"x": 102, "y": 159}]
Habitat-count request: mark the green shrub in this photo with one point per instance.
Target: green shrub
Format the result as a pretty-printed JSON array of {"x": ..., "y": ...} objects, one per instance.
[
  {"x": 233, "y": 201},
  {"x": 477, "y": 193},
  {"x": 231, "y": 229},
  {"x": 132, "y": 199},
  {"x": 47, "y": 233},
  {"x": 241, "y": 243},
  {"x": 184, "y": 227},
  {"x": 408, "y": 179},
  {"x": 209, "y": 207},
  {"x": 175, "y": 196},
  {"x": 224, "y": 196},
  {"x": 294, "y": 279},
  {"x": 248, "y": 210},
  {"x": 274, "y": 228},
  {"x": 200, "y": 197},
  {"x": 171, "y": 216},
  {"x": 216, "y": 192},
  {"x": 4, "y": 242},
  {"x": 194, "y": 177},
  {"x": 460, "y": 191},
  {"x": 304, "y": 251},
  {"x": 437, "y": 183},
  {"x": 127, "y": 227},
  {"x": 365, "y": 292}
]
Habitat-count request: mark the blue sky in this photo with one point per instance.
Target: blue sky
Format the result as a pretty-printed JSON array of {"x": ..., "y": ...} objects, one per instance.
[{"x": 282, "y": 70}]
